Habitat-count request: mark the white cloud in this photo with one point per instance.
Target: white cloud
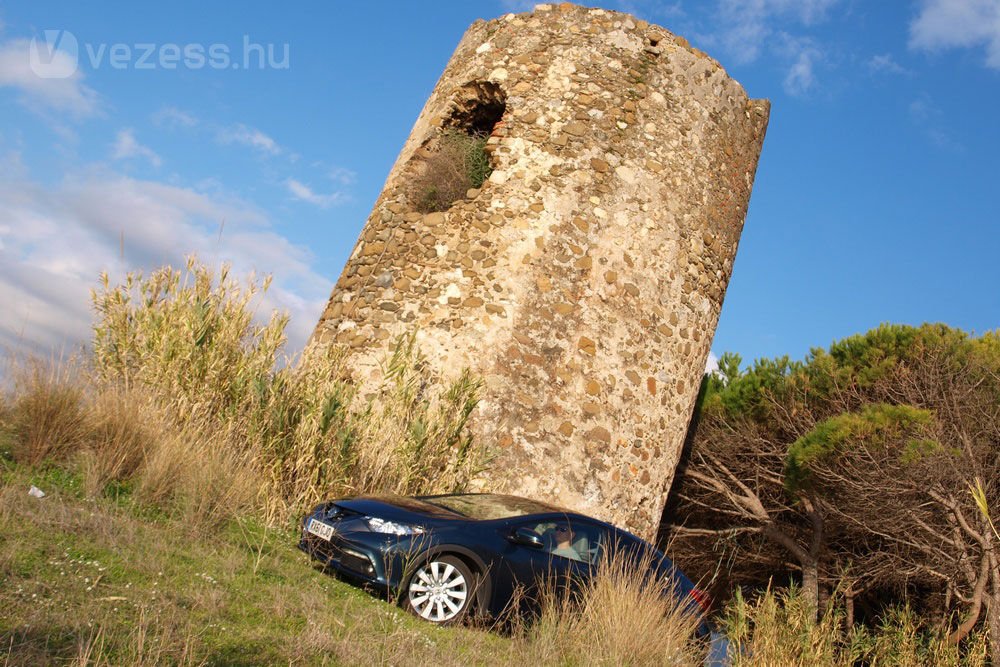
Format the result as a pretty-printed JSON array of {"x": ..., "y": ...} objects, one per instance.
[
  {"x": 173, "y": 117},
  {"x": 249, "y": 136},
  {"x": 747, "y": 25},
  {"x": 929, "y": 119},
  {"x": 800, "y": 77},
  {"x": 946, "y": 24},
  {"x": 343, "y": 176},
  {"x": 885, "y": 64},
  {"x": 55, "y": 240},
  {"x": 61, "y": 89},
  {"x": 126, "y": 147},
  {"x": 712, "y": 365},
  {"x": 303, "y": 192}
]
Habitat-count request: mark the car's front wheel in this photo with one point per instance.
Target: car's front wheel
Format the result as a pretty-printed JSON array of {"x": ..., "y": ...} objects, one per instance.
[{"x": 440, "y": 591}]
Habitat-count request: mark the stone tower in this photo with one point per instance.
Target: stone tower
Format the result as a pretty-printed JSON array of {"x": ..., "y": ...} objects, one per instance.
[{"x": 583, "y": 280}]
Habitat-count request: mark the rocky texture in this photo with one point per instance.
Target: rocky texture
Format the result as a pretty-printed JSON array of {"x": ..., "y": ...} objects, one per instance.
[{"x": 583, "y": 280}]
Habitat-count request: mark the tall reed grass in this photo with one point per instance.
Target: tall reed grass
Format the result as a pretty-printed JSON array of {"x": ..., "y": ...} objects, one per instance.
[
  {"x": 187, "y": 400},
  {"x": 622, "y": 615},
  {"x": 779, "y": 627}
]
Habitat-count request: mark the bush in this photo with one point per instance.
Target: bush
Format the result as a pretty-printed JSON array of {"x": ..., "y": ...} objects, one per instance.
[
  {"x": 459, "y": 163},
  {"x": 780, "y": 628},
  {"x": 44, "y": 415},
  {"x": 621, "y": 616},
  {"x": 191, "y": 341},
  {"x": 190, "y": 405}
]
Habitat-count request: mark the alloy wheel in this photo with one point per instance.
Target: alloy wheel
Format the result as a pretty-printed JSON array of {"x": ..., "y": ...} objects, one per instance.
[{"x": 439, "y": 590}]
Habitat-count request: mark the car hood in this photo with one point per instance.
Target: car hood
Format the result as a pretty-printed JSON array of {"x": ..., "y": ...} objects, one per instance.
[{"x": 397, "y": 508}]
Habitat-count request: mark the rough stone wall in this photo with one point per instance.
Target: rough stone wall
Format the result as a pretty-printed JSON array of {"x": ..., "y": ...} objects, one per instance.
[{"x": 583, "y": 281}]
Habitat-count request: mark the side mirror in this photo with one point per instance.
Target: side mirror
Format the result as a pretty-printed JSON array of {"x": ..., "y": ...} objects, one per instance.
[{"x": 526, "y": 537}]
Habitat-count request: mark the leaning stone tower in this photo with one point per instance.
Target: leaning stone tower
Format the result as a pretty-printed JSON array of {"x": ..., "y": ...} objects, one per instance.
[{"x": 583, "y": 280}]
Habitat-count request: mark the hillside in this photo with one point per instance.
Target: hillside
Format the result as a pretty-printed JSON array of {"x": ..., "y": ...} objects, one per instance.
[{"x": 107, "y": 582}]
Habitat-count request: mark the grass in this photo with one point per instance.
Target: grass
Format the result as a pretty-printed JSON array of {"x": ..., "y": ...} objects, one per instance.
[
  {"x": 779, "y": 627},
  {"x": 94, "y": 581},
  {"x": 109, "y": 581},
  {"x": 176, "y": 460},
  {"x": 97, "y": 581},
  {"x": 620, "y": 617},
  {"x": 459, "y": 163},
  {"x": 190, "y": 400}
]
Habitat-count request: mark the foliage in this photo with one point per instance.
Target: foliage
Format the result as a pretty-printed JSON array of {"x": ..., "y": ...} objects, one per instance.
[
  {"x": 189, "y": 334},
  {"x": 878, "y": 425},
  {"x": 779, "y": 627},
  {"x": 458, "y": 163},
  {"x": 854, "y": 464},
  {"x": 189, "y": 403}
]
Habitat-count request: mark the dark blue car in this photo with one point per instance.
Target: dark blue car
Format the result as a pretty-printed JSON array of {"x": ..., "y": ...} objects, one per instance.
[{"x": 446, "y": 557}]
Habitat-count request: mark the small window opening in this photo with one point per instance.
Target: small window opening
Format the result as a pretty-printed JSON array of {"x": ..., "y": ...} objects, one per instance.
[{"x": 457, "y": 159}]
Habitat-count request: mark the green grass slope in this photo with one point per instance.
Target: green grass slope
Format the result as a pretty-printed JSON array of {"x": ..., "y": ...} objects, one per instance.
[{"x": 105, "y": 581}]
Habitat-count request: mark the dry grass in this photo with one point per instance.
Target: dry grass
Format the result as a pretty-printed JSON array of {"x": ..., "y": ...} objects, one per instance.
[
  {"x": 621, "y": 616},
  {"x": 45, "y": 409},
  {"x": 200, "y": 478},
  {"x": 458, "y": 163},
  {"x": 175, "y": 458},
  {"x": 123, "y": 429},
  {"x": 779, "y": 628},
  {"x": 191, "y": 405}
]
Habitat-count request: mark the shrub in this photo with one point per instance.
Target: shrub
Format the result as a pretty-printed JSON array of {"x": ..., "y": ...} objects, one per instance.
[
  {"x": 458, "y": 163},
  {"x": 190, "y": 340},
  {"x": 45, "y": 412},
  {"x": 620, "y": 616},
  {"x": 780, "y": 628}
]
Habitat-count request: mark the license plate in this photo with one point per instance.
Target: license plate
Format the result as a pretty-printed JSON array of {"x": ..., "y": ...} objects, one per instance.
[{"x": 320, "y": 529}]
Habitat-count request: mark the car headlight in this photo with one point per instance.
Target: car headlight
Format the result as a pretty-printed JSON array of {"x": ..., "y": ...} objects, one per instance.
[{"x": 377, "y": 525}]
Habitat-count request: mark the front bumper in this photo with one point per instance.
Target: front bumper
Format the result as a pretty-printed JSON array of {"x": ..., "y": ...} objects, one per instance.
[{"x": 353, "y": 551}]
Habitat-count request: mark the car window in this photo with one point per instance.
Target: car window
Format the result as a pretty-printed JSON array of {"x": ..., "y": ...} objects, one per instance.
[{"x": 570, "y": 538}]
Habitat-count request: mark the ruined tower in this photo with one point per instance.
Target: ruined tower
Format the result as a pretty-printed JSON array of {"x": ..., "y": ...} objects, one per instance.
[{"x": 583, "y": 280}]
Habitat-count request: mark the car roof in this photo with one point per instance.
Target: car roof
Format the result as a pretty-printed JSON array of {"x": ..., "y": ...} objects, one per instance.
[{"x": 490, "y": 506}]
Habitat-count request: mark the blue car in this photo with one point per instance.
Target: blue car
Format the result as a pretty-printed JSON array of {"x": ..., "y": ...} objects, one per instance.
[{"x": 451, "y": 556}]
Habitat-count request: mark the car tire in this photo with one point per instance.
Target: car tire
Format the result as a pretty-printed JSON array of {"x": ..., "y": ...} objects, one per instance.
[{"x": 441, "y": 590}]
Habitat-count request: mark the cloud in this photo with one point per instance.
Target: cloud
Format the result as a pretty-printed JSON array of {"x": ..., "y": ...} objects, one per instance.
[
  {"x": 61, "y": 88},
  {"x": 712, "y": 364},
  {"x": 303, "y": 192},
  {"x": 747, "y": 25},
  {"x": 884, "y": 64},
  {"x": 929, "y": 119},
  {"x": 249, "y": 136},
  {"x": 126, "y": 147},
  {"x": 343, "y": 176},
  {"x": 948, "y": 24},
  {"x": 801, "y": 77},
  {"x": 56, "y": 239},
  {"x": 172, "y": 117}
]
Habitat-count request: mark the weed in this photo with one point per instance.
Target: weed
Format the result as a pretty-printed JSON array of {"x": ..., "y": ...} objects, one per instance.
[{"x": 458, "y": 163}]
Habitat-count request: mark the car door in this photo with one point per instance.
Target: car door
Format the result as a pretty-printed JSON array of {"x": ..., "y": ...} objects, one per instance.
[{"x": 567, "y": 548}]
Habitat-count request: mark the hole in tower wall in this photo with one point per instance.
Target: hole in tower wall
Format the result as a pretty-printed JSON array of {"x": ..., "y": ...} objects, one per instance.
[{"x": 457, "y": 158}]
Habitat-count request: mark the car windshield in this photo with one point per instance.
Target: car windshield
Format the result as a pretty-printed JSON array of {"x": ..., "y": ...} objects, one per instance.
[{"x": 485, "y": 506}]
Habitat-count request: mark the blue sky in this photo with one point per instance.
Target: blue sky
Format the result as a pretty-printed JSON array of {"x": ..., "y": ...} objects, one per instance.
[{"x": 875, "y": 199}]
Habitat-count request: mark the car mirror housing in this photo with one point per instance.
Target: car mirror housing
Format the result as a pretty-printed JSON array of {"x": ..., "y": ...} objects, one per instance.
[{"x": 526, "y": 537}]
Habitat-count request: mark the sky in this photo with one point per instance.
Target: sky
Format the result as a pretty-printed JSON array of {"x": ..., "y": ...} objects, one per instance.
[{"x": 133, "y": 136}]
